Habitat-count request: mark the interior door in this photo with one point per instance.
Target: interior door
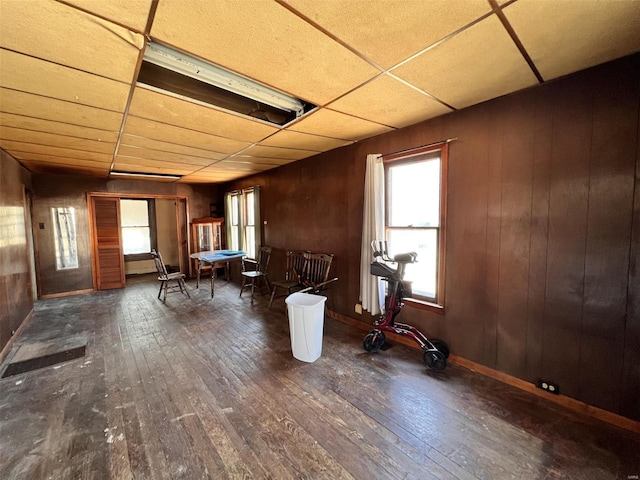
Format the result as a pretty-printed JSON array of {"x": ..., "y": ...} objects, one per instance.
[
  {"x": 108, "y": 258},
  {"x": 183, "y": 235}
]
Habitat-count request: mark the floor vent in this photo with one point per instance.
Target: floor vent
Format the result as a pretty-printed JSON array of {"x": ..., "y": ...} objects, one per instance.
[{"x": 44, "y": 361}]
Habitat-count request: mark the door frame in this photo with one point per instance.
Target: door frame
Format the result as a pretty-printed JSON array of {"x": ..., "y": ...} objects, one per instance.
[{"x": 183, "y": 237}]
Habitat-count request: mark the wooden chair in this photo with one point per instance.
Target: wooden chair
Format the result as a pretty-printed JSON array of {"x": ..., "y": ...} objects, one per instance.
[
  {"x": 316, "y": 271},
  {"x": 296, "y": 263},
  {"x": 255, "y": 271},
  {"x": 164, "y": 277}
]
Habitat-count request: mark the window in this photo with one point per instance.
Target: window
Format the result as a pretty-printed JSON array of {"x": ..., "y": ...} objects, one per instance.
[
  {"x": 243, "y": 225},
  {"x": 415, "y": 217},
  {"x": 137, "y": 219},
  {"x": 64, "y": 237}
]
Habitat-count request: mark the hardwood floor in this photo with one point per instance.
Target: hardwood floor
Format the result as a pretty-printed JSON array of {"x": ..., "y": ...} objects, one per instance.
[{"x": 202, "y": 388}]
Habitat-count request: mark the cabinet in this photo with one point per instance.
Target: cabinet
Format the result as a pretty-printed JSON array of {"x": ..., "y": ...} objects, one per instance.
[{"x": 207, "y": 233}]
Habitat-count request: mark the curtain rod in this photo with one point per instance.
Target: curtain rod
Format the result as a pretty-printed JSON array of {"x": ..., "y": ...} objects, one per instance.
[{"x": 448, "y": 140}]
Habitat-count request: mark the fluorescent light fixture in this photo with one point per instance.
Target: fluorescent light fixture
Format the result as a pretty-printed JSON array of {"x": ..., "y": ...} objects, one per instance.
[
  {"x": 163, "y": 176},
  {"x": 206, "y": 72}
]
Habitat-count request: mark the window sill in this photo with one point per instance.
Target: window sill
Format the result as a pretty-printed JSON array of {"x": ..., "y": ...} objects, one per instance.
[
  {"x": 424, "y": 305},
  {"x": 136, "y": 257}
]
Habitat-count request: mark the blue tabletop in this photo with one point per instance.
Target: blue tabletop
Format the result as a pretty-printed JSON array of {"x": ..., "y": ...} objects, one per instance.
[{"x": 213, "y": 256}]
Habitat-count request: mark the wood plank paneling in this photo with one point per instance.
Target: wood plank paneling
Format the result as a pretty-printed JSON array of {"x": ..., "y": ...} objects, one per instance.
[
  {"x": 518, "y": 141},
  {"x": 534, "y": 239},
  {"x": 612, "y": 165},
  {"x": 16, "y": 300},
  {"x": 539, "y": 233},
  {"x": 568, "y": 204},
  {"x": 467, "y": 233}
]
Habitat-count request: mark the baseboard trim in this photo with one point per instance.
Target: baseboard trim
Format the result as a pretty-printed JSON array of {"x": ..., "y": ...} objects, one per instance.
[
  {"x": 19, "y": 330},
  {"x": 66, "y": 294},
  {"x": 568, "y": 402}
]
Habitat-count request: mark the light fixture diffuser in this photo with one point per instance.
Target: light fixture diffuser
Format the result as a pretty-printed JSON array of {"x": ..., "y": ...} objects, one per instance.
[
  {"x": 185, "y": 64},
  {"x": 163, "y": 176}
]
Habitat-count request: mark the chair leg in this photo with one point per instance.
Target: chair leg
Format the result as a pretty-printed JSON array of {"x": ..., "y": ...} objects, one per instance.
[
  {"x": 244, "y": 282},
  {"x": 253, "y": 284},
  {"x": 273, "y": 294},
  {"x": 184, "y": 284},
  {"x": 160, "y": 291}
]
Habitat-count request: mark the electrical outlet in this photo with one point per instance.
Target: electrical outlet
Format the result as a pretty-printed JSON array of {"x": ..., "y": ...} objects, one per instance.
[
  {"x": 549, "y": 386},
  {"x": 359, "y": 308}
]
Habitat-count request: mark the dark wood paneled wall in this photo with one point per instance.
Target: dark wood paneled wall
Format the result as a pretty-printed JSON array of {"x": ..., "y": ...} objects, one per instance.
[
  {"x": 70, "y": 191},
  {"x": 542, "y": 274},
  {"x": 16, "y": 299}
]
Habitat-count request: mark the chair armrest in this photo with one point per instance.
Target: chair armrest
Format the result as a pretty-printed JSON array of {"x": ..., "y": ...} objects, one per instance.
[{"x": 249, "y": 262}]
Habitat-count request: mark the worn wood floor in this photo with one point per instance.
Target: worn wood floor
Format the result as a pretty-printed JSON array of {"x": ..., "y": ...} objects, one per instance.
[{"x": 207, "y": 388}]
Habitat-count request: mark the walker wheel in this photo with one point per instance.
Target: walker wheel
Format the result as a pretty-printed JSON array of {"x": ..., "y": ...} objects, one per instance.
[
  {"x": 441, "y": 346},
  {"x": 373, "y": 341},
  {"x": 434, "y": 360}
]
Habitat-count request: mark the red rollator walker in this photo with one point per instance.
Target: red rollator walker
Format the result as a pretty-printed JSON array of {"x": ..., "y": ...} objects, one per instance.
[{"x": 435, "y": 352}]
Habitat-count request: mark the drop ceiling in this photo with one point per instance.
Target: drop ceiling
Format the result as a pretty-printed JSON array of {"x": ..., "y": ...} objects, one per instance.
[{"x": 70, "y": 101}]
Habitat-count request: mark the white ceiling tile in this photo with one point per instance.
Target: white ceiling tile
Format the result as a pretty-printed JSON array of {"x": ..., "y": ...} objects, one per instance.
[
  {"x": 21, "y": 72},
  {"x": 333, "y": 124},
  {"x": 174, "y": 111},
  {"x": 266, "y": 42},
  {"x": 390, "y": 102},
  {"x": 478, "y": 64},
  {"x": 65, "y": 35},
  {"x": 389, "y": 31},
  {"x": 562, "y": 37}
]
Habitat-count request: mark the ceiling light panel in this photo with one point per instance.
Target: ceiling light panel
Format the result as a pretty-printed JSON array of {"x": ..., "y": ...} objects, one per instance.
[
  {"x": 30, "y": 105},
  {"x": 388, "y": 101},
  {"x": 62, "y": 34},
  {"x": 478, "y": 64},
  {"x": 563, "y": 37},
  {"x": 181, "y": 136},
  {"x": 265, "y": 42},
  {"x": 160, "y": 168},
  {"x": 303, "y": 141},
  {"x": 167, "y": 109},
  {"x": 389, "y": 31},
  {"x": 338, "y": 125}
]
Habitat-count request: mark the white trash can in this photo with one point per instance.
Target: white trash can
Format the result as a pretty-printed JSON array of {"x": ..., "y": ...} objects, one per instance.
[{"x": 306, "y": 321}]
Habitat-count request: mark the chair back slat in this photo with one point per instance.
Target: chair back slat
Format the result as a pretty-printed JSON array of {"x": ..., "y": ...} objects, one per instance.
[
  {"x": 296, "y": 262},
  {"x": 263, "y": 259},
  {"x": 160, "y": 267},
  {"x": 317, "y": 268}
]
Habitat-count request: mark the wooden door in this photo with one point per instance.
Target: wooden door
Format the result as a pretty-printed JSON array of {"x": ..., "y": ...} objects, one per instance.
[
  {"x": 183, "y": 235},
  {"x": 108, "y": 258}
]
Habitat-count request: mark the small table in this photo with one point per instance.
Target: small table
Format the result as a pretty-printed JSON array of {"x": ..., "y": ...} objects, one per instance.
[{"x": 213, "y": 258}]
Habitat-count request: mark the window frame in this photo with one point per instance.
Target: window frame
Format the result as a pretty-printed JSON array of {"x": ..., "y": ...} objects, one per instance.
[
  {"x": 239, "y": 230},
  {"x": 153, "y": 230},
  {"x": 436, "y": 304}
]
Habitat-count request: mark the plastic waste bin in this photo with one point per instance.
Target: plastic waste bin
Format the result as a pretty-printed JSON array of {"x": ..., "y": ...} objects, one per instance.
[{"x": 306, "y": 321}]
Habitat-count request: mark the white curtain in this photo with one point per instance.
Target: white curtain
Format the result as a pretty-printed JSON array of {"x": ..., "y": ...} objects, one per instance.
[{"x": 371, "y": 288}]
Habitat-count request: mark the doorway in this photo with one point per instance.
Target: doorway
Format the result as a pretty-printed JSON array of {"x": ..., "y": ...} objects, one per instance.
[{"x": 166, "y": 230}]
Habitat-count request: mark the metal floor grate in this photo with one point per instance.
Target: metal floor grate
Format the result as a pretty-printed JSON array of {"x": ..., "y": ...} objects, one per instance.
[{"x": 44, "y": 361}]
